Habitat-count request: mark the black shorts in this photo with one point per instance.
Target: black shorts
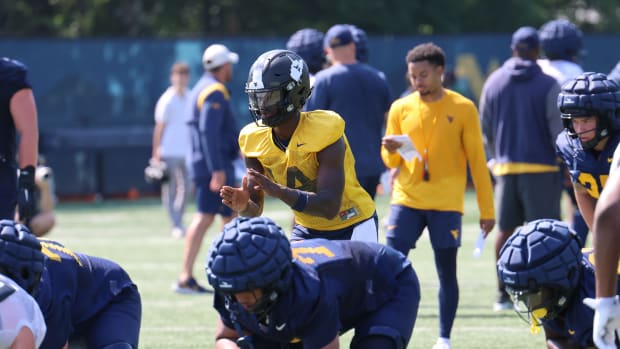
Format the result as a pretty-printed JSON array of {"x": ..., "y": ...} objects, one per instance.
[{"x": 526, "y": 197}]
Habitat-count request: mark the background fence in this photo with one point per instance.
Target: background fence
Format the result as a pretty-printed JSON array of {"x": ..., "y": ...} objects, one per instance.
[{"x": 96, "y": 97}]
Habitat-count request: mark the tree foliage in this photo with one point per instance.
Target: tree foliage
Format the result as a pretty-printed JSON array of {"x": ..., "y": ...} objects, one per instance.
[{"x": 187, "y": 18}]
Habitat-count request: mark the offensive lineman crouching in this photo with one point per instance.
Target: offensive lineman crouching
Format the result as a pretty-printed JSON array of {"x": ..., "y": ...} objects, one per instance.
[{"x": 270, "y": 294}]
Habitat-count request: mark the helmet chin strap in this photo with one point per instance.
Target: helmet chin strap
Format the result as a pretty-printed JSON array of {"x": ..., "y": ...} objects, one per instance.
[
  {"x": 586, "y": 131},
  {"x": 599, "y": 135}
]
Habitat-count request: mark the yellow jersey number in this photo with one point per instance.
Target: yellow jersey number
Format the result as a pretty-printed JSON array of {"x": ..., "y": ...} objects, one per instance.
[
  {"x": 306, "y": 255},
  {"x": 588, "y": 181},
  {"x": 294, "y": 175},
  {"x": 51, "y": 250}
]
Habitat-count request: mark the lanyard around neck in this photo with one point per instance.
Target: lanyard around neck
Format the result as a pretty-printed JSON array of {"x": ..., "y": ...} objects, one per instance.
[{"x": 425, "y": 141}]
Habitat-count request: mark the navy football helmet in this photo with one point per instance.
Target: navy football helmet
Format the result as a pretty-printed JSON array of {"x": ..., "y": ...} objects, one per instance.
[
  {"x": 540, "y": 265},
  {"x": 560, "y": 39},
  {"x": 21, "y": 258},
  {"x": 361, "y": 43},
  {"x": 251, "y": 253},
  {"x": 590, "y": 94},
  {"x": 278, "y": 86},
  {"x": 308, "y": 44}
]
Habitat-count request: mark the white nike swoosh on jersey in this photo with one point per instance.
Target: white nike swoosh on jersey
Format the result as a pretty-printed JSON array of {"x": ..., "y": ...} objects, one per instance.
[{"x": 280, "y": 327}]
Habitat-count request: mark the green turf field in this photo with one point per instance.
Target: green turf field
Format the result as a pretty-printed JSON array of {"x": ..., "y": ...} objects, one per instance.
[{"x": 136, "y": 234}]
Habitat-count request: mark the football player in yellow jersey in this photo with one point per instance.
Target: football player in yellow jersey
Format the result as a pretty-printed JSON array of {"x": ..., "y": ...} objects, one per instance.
[{"x": 301, "y": 158}]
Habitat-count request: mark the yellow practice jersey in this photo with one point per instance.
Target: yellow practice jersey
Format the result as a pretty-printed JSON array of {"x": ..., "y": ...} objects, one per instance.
[
  {"x": 447, "y": 135},
  {"x": 297, "y": 167}
]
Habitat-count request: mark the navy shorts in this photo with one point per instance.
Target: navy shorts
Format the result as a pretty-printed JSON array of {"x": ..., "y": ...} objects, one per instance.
[
  {"x": 118, "y": 322},
  {"x": 208, "y": 202},
  {"x": 406, "y": 225},
  {"x": 8, "y": 191}
]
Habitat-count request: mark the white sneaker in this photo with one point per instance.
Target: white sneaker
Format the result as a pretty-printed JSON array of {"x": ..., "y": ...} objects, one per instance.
[
  {"x": 442, "y": 344},
  {"x": 501, "y": 306},
  {"x": 503, "y": 303},
  {"x": 178, "y": 233}
]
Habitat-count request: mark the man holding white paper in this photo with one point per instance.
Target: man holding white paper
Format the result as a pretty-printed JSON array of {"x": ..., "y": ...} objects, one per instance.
[{"x": 441, "y": 127}]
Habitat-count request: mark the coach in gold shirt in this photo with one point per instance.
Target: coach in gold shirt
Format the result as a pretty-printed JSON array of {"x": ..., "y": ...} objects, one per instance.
[
  {"x": 430, "y": 188},
  {"x": 301, "y": 158}
]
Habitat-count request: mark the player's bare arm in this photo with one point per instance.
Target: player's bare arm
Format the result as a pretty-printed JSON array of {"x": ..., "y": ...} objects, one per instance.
[
  {"x": 330, "y": 181},
  {"x": 606, "y": 238},
  {"x": 24, "y": 339},
  {"x": 24, "y": 111},
  {"x": 218, "y": 179},
  {"x": 586, "y": 203},
  {"x": 225, "y": 337},
  {"x": 325, "y": 202},
  {"x": 247, "y": 200}
]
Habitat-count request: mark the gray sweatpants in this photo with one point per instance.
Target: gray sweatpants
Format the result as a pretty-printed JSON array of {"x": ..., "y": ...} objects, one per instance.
[{"x": 174, "y": 192}]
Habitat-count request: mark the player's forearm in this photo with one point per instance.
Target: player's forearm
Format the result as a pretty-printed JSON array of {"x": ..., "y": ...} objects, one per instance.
[
  {"x": 606, "y": 237},
  {"x": 586, "y": 204},
  {"x": 251, "y": 210},
  {"x": 318, "y": 204},
  {"x": 28, "y": 147},
  {"x": 225, "y": 343},
  {"x": 323, "y": 205},
  {"x": 606, "y": 242}
]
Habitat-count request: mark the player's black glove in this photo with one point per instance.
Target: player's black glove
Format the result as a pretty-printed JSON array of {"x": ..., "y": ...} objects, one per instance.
[{"x": 26, "y": 203}]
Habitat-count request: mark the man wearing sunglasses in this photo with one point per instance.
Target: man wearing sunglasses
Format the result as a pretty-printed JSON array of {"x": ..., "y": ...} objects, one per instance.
[{"x": 548, "y": 277}]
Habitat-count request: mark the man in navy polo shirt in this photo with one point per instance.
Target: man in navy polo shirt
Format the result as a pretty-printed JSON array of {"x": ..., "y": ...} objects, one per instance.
[
  {"x": 18, "y": 115},
  {"x": 361, "y": 95}
]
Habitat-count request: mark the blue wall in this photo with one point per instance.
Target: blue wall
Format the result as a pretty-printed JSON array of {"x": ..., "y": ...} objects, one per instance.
[{"x": 96, "y": 96}]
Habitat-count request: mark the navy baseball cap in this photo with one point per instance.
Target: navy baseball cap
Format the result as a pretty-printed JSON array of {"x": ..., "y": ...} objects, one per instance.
[
  {"x": 525, "y": 39},
  {"x": 338, "y": 35}
]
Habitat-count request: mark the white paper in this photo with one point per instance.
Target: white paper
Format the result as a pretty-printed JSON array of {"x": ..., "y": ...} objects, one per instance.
[
  {"x": 479, "y": 245},
  {"x": 407, "y": 151}
]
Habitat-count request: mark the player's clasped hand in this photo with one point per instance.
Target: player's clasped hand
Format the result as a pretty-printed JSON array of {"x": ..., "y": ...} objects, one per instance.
[
  {"x": 26, "y": 202},
  {"x": 262, "y": 182},
  {"x": 606, "y": 321},
  {"x": 236, "y": 198}
]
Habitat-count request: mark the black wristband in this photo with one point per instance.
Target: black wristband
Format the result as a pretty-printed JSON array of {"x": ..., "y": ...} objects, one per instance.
[
  {"x": 26, "y": 177},
  {"x": 302, "y": 201}
]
